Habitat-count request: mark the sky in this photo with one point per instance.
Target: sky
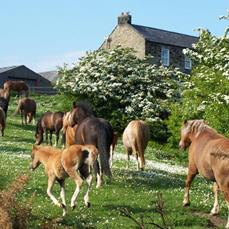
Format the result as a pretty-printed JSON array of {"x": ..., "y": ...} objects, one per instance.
[{"x": 45, "y": 34}]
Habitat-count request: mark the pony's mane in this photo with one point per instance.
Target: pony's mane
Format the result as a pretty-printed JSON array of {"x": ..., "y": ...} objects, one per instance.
[
  {"x": 198, "y": 126},
  {"x": 85, "y": 106}
]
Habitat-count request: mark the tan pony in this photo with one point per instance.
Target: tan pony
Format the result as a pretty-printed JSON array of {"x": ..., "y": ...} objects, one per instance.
[
  {"x": 135, "y": 139},
  {"x": 209, "y": 156},
  {"x": 60, "y": 164}
]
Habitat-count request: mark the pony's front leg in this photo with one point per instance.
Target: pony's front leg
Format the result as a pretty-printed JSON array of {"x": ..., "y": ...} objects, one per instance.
[
  {"x": 192, "y": 171},
  {"x": 57, "y": 138},
  {"x": 25, "y": 117},
  {"x": 51, "y": 181},
  {"x": 86, "y": 197},
  {"x": 22, "y": 117},
  {"x": 50, "y": 138},
  {"x": 215, "y": 209},
  {"x": 46, "y": 136},
  {"x": 62, "y": 196}
]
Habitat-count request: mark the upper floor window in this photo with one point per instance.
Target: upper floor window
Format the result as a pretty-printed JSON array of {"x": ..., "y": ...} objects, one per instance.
[
  {"x": 165, "y": 56},
  {"x": 187, "y": 62}
]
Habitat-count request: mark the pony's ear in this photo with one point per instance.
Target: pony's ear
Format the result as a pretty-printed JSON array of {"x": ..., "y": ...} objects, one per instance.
[{"x": 74, "y": 104}]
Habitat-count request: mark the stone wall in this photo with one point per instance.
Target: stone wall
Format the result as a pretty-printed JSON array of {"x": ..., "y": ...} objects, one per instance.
[
  {"x": 176, "y": 56},
  {"x": 126, "y": 36}
]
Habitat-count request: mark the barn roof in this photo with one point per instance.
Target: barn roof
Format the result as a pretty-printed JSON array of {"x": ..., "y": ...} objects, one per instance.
[
  {"x": 166, "y": 37},
  {"x": 5, "y": 69},
  {"x": 50, "y": 75}
]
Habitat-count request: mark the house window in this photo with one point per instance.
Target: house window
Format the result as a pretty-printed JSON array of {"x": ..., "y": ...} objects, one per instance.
[
  {"x": 187, "y": 62},
  {"x": 165, "y": 56}
]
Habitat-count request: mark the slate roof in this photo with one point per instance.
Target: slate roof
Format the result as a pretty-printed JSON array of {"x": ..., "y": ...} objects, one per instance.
[
  {"x": 50, "y": 75},
  {"x": 166, "y": 37},
  {"x": 5, "y": 69}
]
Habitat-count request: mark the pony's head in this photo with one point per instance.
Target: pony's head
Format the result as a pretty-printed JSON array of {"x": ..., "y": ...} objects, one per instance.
[
  {"x": 35, "y": 158},
  {"x": 190, "y": 128},
  {"x": 38, "y": 133},
  {"x": 79, "y": 112}
]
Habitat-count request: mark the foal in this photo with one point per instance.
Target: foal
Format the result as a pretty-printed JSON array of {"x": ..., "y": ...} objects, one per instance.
[{"x": 60, "y": 164}]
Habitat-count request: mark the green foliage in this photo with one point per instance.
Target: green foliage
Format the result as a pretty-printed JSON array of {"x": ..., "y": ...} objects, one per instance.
[
  {"x": 120, "y": 86},
  {"x": 206, "y": 94}
]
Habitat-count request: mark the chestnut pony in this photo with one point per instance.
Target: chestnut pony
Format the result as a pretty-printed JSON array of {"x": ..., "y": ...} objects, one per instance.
[
  {"x": 209, "y": 156},
  {"x": 60, "y": 164},
  {"x": 16, "y": 85},
  {"x": 94, "y": 131},
  {"x": 135, "y": 139},
  {"x": 49, "y": 122},
  {"x": 27, "y": 108}
]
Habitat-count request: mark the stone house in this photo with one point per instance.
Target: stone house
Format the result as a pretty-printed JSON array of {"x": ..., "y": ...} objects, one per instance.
[
  {"x": 35, "y": 81},
  {"x": 165, "y": 47}
]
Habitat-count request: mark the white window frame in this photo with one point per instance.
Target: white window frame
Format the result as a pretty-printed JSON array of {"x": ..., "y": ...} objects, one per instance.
[
  {"x": 187, "y": 62},
  {"x": 165, "y": 56}
]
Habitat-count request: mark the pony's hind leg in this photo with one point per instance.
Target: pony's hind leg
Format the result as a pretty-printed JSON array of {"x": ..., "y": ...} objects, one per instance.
[
  {"x": 50, "y": 138},
  {"x": 192, "y": 171},
  {"x": 215, "y": 209},
  {"x": 86, "y": 197},
  {"x": 57, "y": 137},
  {"x": 62, "y": 196},
  {"x": 99, "y": 175}
]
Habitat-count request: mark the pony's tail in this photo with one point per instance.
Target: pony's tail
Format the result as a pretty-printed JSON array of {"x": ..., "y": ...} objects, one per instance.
[{"x": 104, "y": 151}]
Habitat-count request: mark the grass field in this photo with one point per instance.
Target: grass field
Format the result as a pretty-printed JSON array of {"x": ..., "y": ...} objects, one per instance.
[{"x": 132, "y": 191}]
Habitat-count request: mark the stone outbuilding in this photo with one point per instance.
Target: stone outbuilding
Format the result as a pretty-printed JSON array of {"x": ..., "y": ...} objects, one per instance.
[
  {"x": 165, "y": 47},
  {"x": 35, "y": 81}
]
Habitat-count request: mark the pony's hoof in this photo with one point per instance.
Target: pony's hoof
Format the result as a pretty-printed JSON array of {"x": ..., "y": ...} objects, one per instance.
[
  {"x": 88, "y": 204},
  {"x": 186, "y": 204},
  {"x": 63, "y": 206},
  {"x": 73, "y": 207}
]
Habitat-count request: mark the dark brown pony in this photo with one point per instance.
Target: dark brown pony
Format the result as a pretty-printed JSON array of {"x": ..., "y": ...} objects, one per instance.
[
  {"x": 94, "y": 131},
  {"x": 209, "y": 156},
  {"x": 59, "y": 164},
  {"x": 49, "y": 122},
  {"x": 2, "y": 121},
  {"x": 18, "y": 86},
  {"x": 135, "y": 139},
  {"x": 27, "y": 108}
]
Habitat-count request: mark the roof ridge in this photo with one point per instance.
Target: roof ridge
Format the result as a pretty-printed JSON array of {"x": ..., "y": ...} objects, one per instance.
[{"x": 164, "y": 30}]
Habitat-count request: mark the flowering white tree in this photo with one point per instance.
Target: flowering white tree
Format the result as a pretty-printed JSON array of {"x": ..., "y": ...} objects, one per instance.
[{"x": 120, "y": 86}]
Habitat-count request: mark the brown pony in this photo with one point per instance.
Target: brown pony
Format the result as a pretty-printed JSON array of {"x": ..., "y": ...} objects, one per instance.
[
  {"x": 5, "y": 94},
  {"x": 209, "y": 156},
  {"x": 16, "y": 85},
  {"x": 49, "y": 121},
  {"x": 94, "y": 131},
  {"x": 135, "y": 139},
  {"x": 60, "y": 164},
  {"x": 27, "y": 107},
  {"x": 69, "y": 132},
  {"x": 2, "y": 121}
]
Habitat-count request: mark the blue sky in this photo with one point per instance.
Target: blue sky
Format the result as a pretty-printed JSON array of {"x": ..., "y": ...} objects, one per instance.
[{"x": 47, "y": 33}]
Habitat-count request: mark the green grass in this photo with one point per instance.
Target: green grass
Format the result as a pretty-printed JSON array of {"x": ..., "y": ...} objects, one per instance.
[{"x": 130, "y": 189}]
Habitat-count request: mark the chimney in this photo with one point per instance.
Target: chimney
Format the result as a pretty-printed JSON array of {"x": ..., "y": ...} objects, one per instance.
[{"x": 124, "y": 18}]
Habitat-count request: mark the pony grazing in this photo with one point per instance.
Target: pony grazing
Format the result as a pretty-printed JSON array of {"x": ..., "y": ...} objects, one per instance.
[
  {"x": 61, "y": 164},
  {"x": 135, "y": 139},
  {"x": 49, "y": 122},
  {"x": 209, "y": 156},
  {"x": 2, "y": 121},
  {"x": 18, "y": 86},
  {"x": 94, "y": 131},
  {"x": 27, "y": 107}
]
